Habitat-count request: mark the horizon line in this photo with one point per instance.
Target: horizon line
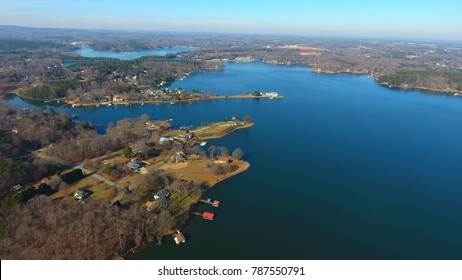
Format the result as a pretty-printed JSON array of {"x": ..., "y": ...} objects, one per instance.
[{"x": 304, "y": 35}]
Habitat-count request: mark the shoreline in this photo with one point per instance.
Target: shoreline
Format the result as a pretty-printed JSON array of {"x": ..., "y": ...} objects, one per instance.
[
  {"x": 181, "y": 226},
  {"x": 128, "y": 103},
  {"x": 429, "y": 90},
  {"x": 452, "y": 92},
  {"x": 246, "y": 125}
]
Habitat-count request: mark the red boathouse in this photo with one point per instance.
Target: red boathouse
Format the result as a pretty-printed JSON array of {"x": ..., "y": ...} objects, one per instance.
[{"x": 208, "y": 216}]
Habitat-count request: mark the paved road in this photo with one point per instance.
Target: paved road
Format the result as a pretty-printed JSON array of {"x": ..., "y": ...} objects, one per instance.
[{"x": 99, "y": 177}]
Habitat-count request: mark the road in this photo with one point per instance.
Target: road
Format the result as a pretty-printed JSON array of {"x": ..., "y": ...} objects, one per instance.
[{"x": 119, "y": 188}]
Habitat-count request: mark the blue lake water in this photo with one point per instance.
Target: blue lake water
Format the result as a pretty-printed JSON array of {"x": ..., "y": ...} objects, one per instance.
[
  {"x": 341, "y": 168},
  {"x": 128, "y": 55}
]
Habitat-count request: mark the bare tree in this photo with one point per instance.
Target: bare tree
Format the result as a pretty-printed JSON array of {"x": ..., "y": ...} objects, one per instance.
[{"x": 237, "y": 153}]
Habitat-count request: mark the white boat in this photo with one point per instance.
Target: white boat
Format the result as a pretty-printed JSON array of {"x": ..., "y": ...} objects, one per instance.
[
  {"x": 142, "y": 103},
  {"x": 203, "y": 143},
  {"x": 173, "y": 103}
]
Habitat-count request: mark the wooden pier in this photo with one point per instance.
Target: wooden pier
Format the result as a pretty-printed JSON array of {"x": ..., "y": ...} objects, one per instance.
[{"x": 214, "y": 203}]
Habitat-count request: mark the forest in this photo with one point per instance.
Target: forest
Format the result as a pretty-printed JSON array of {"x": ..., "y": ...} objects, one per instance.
[{"x": 424, "y": 79}]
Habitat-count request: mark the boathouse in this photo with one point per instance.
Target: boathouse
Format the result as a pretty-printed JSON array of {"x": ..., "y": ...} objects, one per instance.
[{"x": 208, "y": 216}]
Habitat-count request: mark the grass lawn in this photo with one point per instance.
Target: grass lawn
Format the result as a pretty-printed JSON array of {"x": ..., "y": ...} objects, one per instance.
[{"x": 100, "y": 191}]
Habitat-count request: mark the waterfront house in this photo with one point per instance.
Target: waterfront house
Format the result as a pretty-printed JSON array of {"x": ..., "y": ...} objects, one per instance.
[
  {"x": 162, "y": 194},
  {"x": 179, "y": 157},
  {"x": 179, "y": 237},
  {"x": 223, "y": 160}
]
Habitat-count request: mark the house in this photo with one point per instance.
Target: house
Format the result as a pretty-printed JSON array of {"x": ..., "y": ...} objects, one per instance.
[
  {"x": 162, "y": 194},
  {"x": 223, "y": 160},
  {"x": 102, "y": 100},
  {"x": 190, "y": 135},
  {"x": 164, "y": 140},
  {"x": 81, "y": 194},
  {"x": 179, "y": 158},
  {"x": 179, "y": 237},
  {"x": 16, "y": 188},
  {"x": 134, "y": 165},
  {"x": 151, "y": 205}
]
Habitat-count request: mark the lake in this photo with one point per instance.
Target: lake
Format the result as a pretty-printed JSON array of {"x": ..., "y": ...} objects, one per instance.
[
  {"x": 128, "y": 55},
  {"x": 341, "y": 168}
]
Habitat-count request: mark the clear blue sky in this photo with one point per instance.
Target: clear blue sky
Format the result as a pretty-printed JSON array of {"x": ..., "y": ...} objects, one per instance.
[{"x": 387, "y": 18}]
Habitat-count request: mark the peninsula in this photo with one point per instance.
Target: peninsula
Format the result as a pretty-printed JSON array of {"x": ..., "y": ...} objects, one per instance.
[{"x": 142, "y": 175}]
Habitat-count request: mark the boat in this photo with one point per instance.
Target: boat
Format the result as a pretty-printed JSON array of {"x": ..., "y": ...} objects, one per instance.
[
  {"x": 98, "y": 105},
  {"x": 173, "y": 103},
  {"x": 178, "y": 237},
  {"x": 142, "y": 103},
  {"x": 109, "y": 105},
  {"x": 203, "y": 143}
]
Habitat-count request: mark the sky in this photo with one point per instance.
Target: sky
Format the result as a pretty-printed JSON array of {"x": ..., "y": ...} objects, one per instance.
[{"x": 440, "y": 19}]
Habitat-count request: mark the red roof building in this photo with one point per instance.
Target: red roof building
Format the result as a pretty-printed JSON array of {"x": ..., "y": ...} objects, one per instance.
[{"x": 208, "y": 215}]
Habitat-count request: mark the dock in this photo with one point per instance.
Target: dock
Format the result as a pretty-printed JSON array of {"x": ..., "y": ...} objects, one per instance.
[
  {"x": 179, "y": 237},
  {"x": 214, "y": 203},
  {"x": 206, "y": 215}
]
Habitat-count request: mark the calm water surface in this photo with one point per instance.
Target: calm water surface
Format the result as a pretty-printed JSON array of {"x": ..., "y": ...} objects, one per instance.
[
  {"x": 127, "y": 55},
  {"x": 341, "y": 168}
]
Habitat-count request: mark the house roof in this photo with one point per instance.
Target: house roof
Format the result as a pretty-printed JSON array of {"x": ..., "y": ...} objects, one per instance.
[
  {"x": 151, "y": 205},
  {"x": 133, "y": 165},
  {"x": 82, "y": 193},
  {"x": 208, "y": 215},
  {"x": 164, "y": 140},
  {"x": 163, "y": 193}
]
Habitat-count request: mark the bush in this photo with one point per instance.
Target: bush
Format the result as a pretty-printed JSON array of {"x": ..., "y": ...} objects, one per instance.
[{"x": 127, "y": 152}]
